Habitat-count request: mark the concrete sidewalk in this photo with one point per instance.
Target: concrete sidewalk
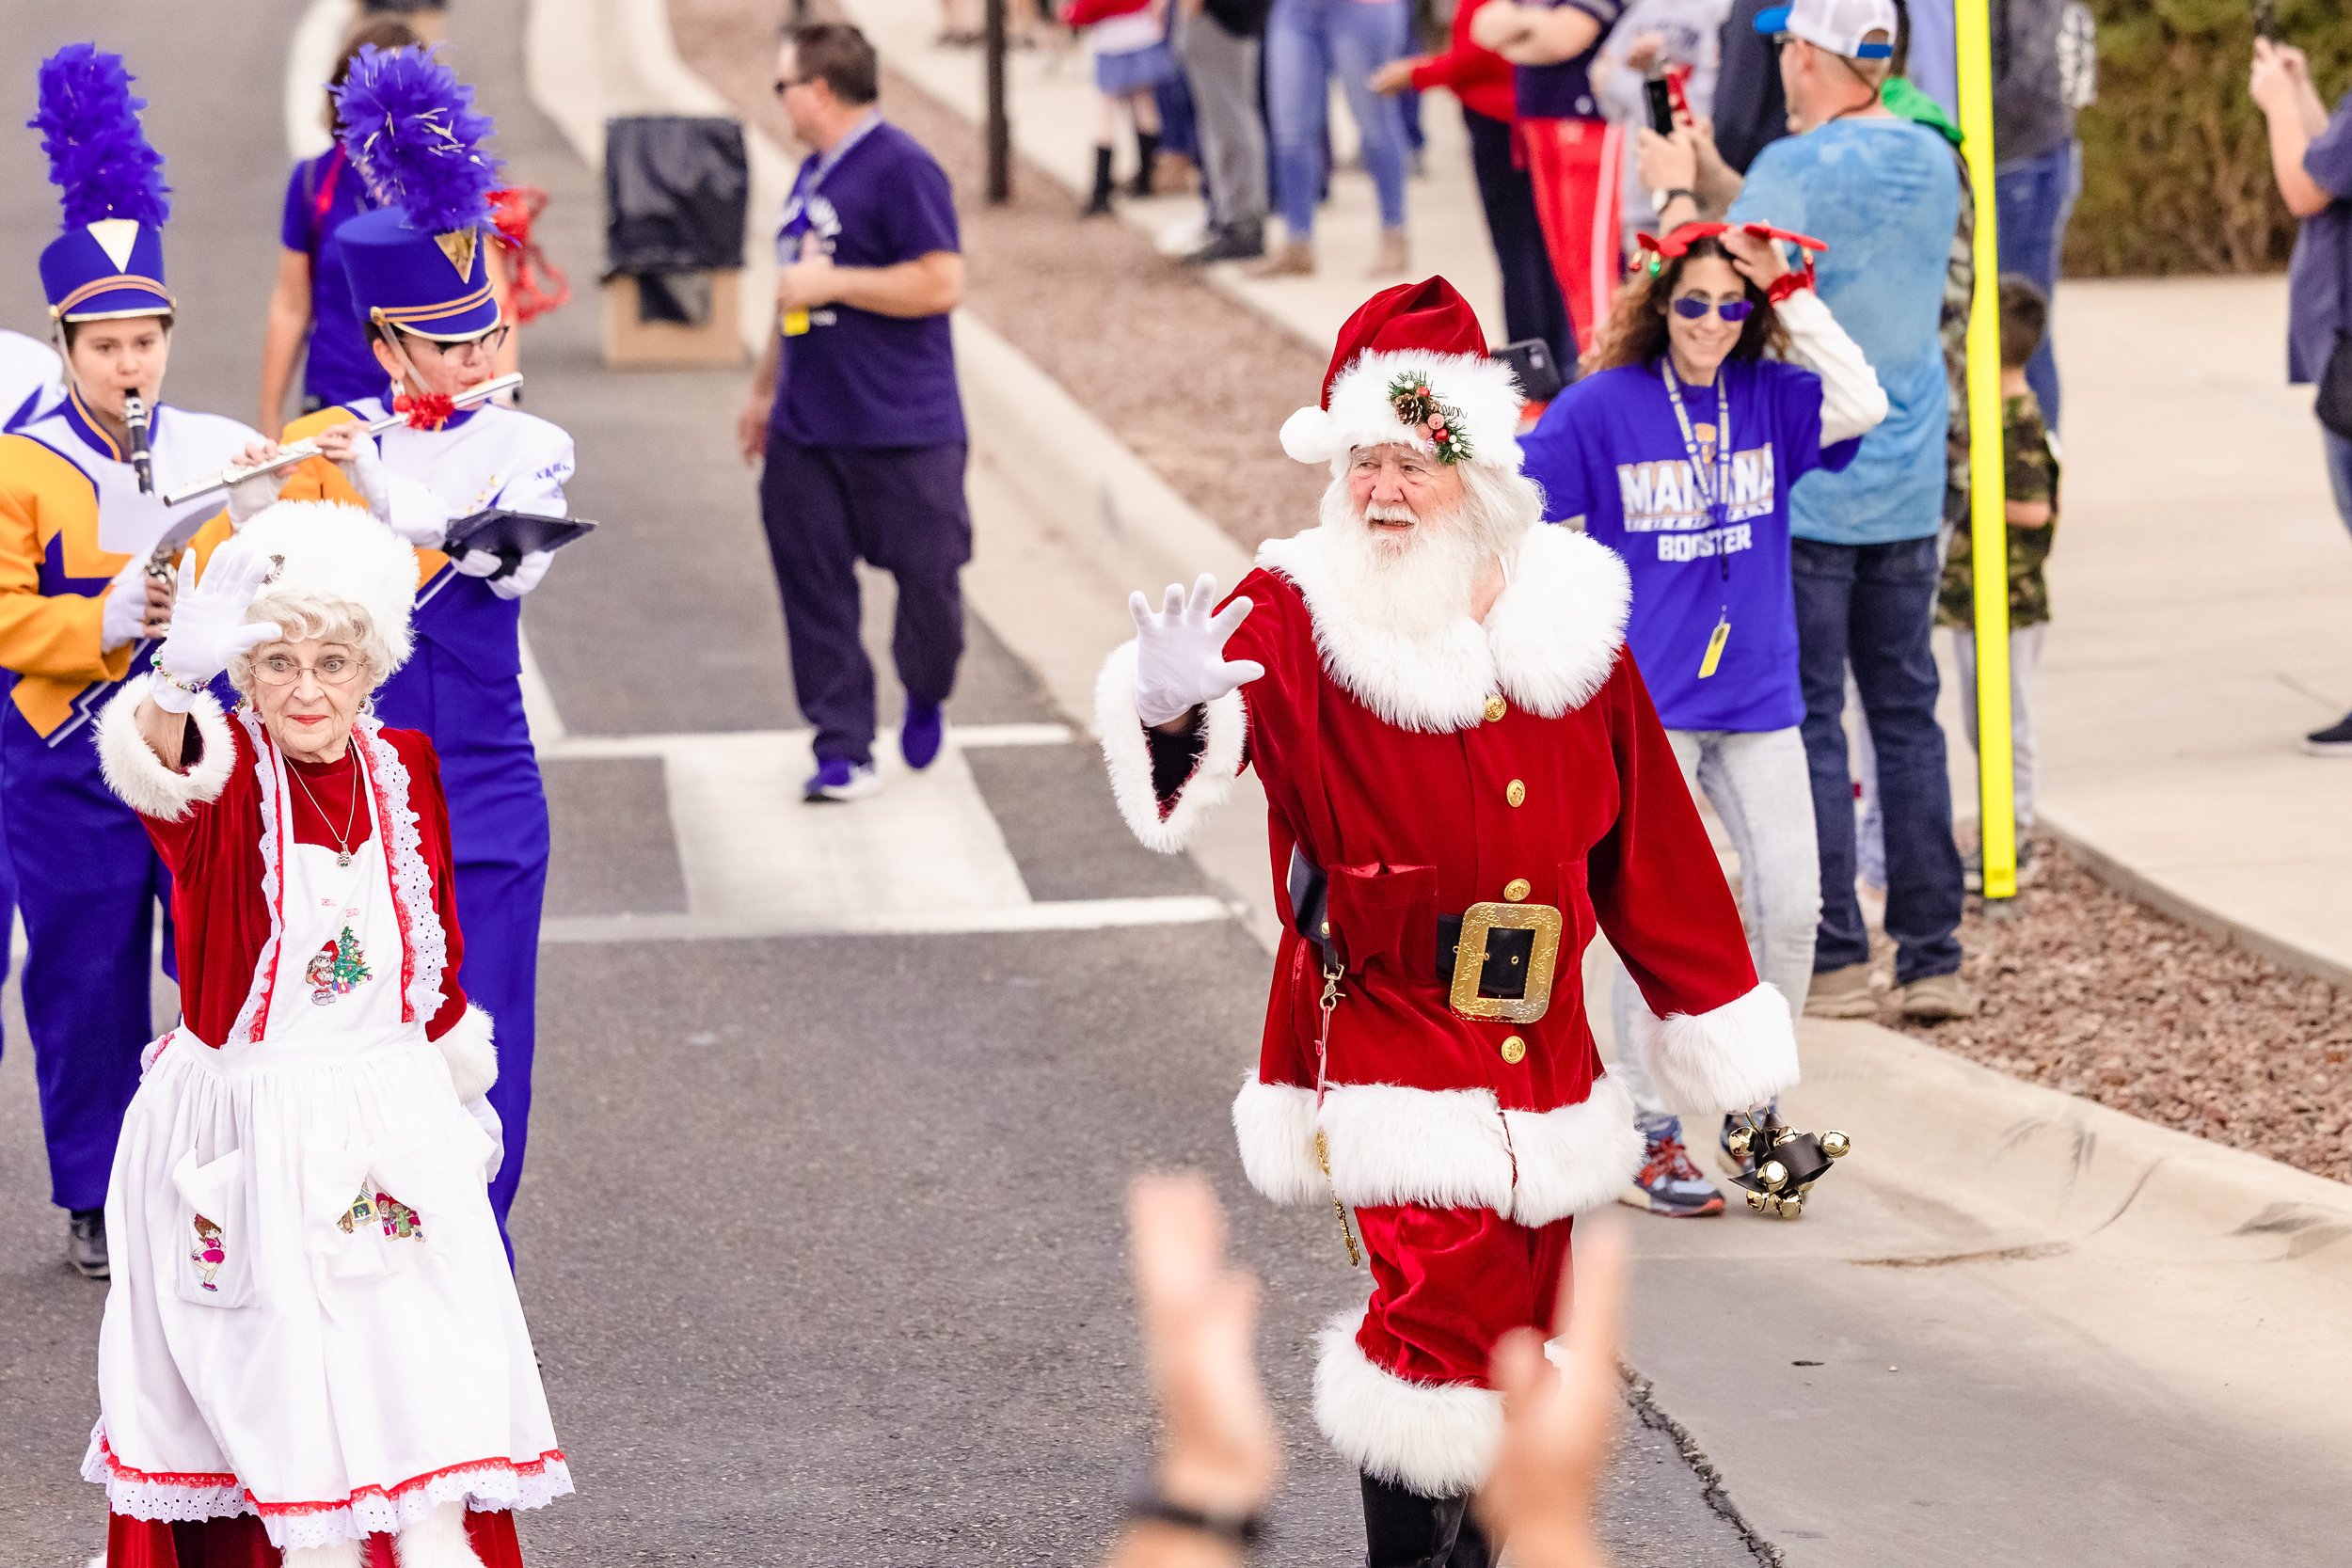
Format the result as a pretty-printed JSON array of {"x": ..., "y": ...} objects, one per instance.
[{"x": 2202, "y": 583}]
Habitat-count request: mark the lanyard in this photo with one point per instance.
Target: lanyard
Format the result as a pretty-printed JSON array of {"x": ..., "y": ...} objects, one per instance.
[
  {"x": 812, "y": 176},
  {"x": 1715, "y": 490}
]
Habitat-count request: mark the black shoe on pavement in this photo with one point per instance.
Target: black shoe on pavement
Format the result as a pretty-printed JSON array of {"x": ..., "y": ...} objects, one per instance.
[
  {"x": 1244, "y": 241},
  {"x": 1098, "y": 203},
  {"x": 2333, "y": 741},
  {"x": 85, "y": 1242}
]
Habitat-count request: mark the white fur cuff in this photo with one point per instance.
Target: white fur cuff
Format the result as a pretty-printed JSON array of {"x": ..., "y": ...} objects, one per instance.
[
  {"x": 1738, "y": 1056},
  {"x": 1438, "y": 1438},
  {"x": 1128, "y": 755},
  {"x": 136, "y": 773},
  {"x": 471, "y": 1054}
]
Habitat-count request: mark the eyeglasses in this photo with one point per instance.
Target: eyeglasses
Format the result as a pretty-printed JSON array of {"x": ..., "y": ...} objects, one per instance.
[
  {"x": 1692, "y": 308},
  {"x": 491, "y": 342},
  {"x": 335, "y": 670},
  {"x": 785, "y": 84}
]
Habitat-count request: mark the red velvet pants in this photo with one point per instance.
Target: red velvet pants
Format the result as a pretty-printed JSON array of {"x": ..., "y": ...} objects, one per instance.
[
  {"x": 1447, "y": 1283},
  {"x": 1575, "y": 166},
  {"x": 241, "y": 1542}
]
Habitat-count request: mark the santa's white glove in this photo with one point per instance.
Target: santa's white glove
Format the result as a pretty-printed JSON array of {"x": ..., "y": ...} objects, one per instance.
[
  {"x": 123, "y": 617},
  {"x": 522, "y": 579},
  {"x": 207, "y": 625},
  {"x": 1180, "y": 652}
]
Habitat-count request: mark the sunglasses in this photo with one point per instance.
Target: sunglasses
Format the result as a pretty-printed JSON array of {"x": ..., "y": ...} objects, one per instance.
[{"x": 1691, "y": 307}]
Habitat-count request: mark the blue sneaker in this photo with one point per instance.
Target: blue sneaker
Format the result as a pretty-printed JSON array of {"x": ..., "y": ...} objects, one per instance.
[
  {"x": 1668, "y": 1183},
  {"x": 838, "y": 779},
  {"x": 920, "y": 736}
]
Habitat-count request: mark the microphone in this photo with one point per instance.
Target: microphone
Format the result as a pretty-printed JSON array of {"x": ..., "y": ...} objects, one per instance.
[{"x": 142, "y": 463}]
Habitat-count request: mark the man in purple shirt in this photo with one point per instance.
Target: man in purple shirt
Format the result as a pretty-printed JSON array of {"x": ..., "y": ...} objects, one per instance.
[
  {"x": 2311, "y": 154},
  {"x": 855, "y": 410}
]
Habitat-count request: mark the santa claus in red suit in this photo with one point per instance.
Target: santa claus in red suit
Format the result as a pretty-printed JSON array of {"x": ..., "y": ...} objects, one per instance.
[{"x": 1466, "y": 782}]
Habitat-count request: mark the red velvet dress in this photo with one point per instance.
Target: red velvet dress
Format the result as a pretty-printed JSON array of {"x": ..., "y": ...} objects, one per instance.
[{"x": 222, "y": 924}]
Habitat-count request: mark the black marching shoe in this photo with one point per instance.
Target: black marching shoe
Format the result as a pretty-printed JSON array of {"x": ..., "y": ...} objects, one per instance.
[
  {"x": 85, "y": 1242},
  {"x": 2333, "y": 741},
  {"x": 1099, "y": 204},
  {"x": 1147, "y": 162},
  {"x": 1241, "y": 241},
  {"x": 1406, "y": 1530}
]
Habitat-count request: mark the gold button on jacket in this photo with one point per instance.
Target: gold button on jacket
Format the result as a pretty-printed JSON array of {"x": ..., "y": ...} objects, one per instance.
[
  {"x": 1516, "y": 889},
  {"x": 1514, "y": 1050},
  {"x": 1495, "y": 708},
  {"x": 1515, "y": 793}
]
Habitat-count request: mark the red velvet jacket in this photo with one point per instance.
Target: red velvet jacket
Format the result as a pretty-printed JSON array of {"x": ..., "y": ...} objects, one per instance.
[
  {"x": 206, "y": 823},
  {"x": 1391, "y": 766}
]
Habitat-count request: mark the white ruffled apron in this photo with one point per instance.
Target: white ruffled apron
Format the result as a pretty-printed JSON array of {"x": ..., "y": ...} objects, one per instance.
[{"x": 312, "y": 1316}]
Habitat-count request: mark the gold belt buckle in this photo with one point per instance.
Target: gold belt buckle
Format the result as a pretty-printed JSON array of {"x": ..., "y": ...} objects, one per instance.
[{"x": 1469, "y": 962}]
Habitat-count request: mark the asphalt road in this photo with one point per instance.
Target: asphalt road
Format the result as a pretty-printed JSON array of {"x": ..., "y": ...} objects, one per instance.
[{"x": 821, "y": 1239}]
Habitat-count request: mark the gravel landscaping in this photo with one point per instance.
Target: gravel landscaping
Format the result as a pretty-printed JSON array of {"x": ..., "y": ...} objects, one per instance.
[{"x": 2089, "y": 990}]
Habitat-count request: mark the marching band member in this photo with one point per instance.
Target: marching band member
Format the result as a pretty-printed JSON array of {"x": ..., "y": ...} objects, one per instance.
[
  {"x": 31, "y": 378},
  {"x": 79, "y": 520},
  {"x": 419, "y": 267},
  {"x": 312, "y": 1336}
]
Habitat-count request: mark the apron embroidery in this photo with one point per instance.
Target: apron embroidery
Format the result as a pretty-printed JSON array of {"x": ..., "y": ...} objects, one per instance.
[
  {"x": 210, "y": 1252},
  {"x": 337, "y": 970}
]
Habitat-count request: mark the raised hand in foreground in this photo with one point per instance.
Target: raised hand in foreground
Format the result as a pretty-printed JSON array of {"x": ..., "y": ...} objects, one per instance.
[
  {"x": 1180, "y": 651},
  {"x": 1557, "y": 1422}
]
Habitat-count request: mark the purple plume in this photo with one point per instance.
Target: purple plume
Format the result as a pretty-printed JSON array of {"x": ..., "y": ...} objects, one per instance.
[
  {"x": 90, "y": 125},
  {"x": 409, "y": 127}
]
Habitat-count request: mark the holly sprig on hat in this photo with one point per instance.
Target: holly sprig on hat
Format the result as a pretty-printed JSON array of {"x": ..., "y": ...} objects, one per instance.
[{"x": 1437, "y": 420}]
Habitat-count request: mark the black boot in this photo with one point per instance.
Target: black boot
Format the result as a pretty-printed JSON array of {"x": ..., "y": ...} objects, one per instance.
[
  {"x": 1099, "y": 204},
  {"x": 1406, "y": 1530},
  {"x": 1147, "y": 154},
  {"x": 1243, "y": 239},
  {"x": 85, "y": 1242}
]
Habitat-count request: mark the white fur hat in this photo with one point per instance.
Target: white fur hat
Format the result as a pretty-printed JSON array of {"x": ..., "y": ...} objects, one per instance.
[
  {"x": 334, "y": 551},
  {"x": 1411, "y": 368}
]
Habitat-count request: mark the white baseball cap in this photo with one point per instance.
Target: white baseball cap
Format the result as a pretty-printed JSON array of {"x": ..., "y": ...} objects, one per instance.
[{"x": 1839, "y": 27}]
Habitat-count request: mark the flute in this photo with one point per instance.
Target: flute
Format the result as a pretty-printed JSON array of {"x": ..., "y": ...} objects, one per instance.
[{"x": 303, "y": 451}]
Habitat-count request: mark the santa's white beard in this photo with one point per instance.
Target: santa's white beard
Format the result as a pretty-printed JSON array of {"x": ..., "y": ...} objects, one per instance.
[{"x": 1415, "y": 582}]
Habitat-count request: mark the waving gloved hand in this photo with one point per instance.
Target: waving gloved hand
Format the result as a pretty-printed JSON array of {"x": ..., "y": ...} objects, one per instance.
[
  {"x": 512, "y": 585},
  {"x": 1180, "y": 651},
  {"x": 406, "y": 506},
  {"x": 207, "y": 625}
]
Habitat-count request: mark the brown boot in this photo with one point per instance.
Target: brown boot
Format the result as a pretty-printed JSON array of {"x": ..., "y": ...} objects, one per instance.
[
  {"x": 1393, "y": 257},
  {"x": 1937, "y": 998},
  {"x": 1843, "y": 992},
  {"x": 1292, "y": 258}
]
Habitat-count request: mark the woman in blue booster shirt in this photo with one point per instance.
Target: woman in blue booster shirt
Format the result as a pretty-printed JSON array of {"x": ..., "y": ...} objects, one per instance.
[{"x": 1677, "y": 450}]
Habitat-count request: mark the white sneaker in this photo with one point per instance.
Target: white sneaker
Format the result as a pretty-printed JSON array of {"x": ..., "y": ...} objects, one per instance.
[{"x": 837, "y": 780}]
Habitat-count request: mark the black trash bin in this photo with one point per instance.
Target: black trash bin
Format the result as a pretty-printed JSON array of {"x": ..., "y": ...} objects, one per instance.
[{"x": 675, "y": 191}]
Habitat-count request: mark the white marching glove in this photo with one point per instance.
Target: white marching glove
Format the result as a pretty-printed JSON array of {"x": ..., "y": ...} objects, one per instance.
[
  {"x": 524, "y": 577},
  {"x": 249, "y": 497},
  {"x": 207, "y": 625},
  {"x": 1180, "y": 652},
  {"x": 406, "y": 507},
  {"x": 123, "y": 617}
]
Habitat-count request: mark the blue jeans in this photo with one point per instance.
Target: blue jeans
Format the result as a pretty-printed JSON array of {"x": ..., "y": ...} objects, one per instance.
[
  {"x": 1307, "y": 43},
  {"x": 2034, "y": 197},
  {"x": 2339, "y": 452},
  {"x": 1871, "y": 605}
]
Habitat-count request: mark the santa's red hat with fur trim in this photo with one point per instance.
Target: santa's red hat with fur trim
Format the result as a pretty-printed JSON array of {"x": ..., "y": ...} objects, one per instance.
[{"x": 1411, "y": 368}]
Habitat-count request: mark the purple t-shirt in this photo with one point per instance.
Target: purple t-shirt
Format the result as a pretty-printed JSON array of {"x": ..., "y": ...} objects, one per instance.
[
  {"x": 322, "y": 194},
  {"x": 858, "y": 379},
  {"x": 1564, "y": 90},
  {"x": 2319, "y": 276},
  {"x": 1610, "y": 451}
]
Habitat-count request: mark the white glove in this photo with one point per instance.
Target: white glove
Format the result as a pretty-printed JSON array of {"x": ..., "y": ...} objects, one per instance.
[
  {"x": 207, "y": 625},
  {"x": 514, "y": 584},
  {"x": 250, "y": 497},
  {"x": 1180, "y": 652},
  {"x": 402, "y": 504},
  {"x": 123, "y": 617}
]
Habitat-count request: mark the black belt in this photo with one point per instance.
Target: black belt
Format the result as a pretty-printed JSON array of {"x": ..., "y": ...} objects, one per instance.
[{"x": 1509, "y": 953}]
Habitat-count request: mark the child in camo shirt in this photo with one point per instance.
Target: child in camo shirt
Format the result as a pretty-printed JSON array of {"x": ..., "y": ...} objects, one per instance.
[{"x": 2030, "y": 463}]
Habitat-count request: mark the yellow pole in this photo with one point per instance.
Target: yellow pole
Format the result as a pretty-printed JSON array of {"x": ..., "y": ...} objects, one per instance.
[{"x": 1988, "y": 516}]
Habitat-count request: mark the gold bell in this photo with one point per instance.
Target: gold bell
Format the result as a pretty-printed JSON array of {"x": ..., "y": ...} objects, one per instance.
[
  {"x": 1785, "y": 1136},
  {"x": 1836, "y": 1145},
  {"x": 1772, "y": 1173},
  {"x": 1790, "y": 1207},
  {"x": 1738, "y": 1142},
  {"x": 1756, "y": 1201}
]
